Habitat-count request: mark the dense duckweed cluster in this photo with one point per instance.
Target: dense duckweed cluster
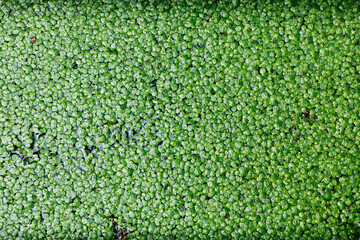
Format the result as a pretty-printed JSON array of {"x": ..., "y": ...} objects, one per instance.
[{"x": 179, "y": 119}]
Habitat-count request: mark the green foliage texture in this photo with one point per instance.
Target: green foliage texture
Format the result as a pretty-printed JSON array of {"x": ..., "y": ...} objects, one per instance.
[{"x": 179, "y": 119}]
